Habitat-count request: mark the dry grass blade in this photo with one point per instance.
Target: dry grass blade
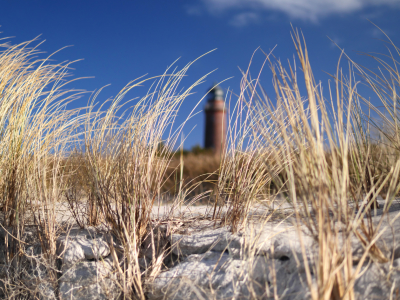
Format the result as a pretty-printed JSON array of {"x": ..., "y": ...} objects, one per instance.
[{"x": 319, "y": 153}]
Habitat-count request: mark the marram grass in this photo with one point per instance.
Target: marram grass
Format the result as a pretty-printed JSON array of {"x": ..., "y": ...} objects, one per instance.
[{"x": 318, "y": 150}]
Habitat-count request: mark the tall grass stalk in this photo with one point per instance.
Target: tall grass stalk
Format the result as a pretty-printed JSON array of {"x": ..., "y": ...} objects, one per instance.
[
  {"x": 244, "y": 176},
  {"x": 124, "y": 167},
  {"x": 319, "y": 152},
  {"x": 127, "y": 168},
  {"x": 35, "y": 130}
]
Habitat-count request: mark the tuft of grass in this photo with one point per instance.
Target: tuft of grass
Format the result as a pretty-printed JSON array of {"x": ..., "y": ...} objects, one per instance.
[
  {"x": 199, "y": 175},
  {"x": 318, "y": 150},
  {"x": 35, "y": 130},
  {"x": 320, "y": 154},
  {"x": 112, "y": 177},
  {"x": 127, "y": 168}
]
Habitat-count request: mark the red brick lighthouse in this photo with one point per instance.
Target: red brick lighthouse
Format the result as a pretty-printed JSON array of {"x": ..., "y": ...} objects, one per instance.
[{"x": 215, "y": 110}]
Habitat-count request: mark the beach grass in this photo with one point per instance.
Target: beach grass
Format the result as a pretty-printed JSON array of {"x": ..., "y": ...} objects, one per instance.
[{"x": 320, "y": 150}]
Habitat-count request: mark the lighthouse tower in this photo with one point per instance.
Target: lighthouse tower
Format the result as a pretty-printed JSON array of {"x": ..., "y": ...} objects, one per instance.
[{"x": 215, "y": 110}]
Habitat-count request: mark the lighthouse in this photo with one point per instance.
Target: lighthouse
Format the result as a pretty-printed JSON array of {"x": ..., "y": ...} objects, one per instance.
[{"x": 215, "y": 111}]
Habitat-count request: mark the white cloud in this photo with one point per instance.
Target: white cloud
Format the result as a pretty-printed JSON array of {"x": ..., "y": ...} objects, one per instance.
[
  {"x": 299, "y": 9},
  {"x": 244, "y": 19},
  {"x": 335, "y": 42},
  {"x": 194, "y": 10},
  {"x": 372, "y": 15},
  {"x": 377, "y": 33}
]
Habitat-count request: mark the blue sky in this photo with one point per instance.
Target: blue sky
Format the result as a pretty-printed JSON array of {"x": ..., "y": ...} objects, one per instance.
[{"x": 121, "y": 40}]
